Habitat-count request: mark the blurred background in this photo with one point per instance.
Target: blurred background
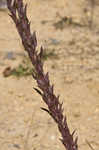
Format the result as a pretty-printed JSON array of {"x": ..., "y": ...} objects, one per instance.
[{"x": 69, "y": 34}]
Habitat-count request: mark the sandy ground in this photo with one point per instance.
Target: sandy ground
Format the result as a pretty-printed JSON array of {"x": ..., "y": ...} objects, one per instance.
[{"x": 75, "y": 74}]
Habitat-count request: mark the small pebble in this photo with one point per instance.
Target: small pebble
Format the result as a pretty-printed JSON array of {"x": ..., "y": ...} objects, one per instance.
[
  {"x": 9, "y": 56},
  {"x": 52, "y": 137},
  {"x": 16, "y": 146},
  {"x": 54, "y": 41}
]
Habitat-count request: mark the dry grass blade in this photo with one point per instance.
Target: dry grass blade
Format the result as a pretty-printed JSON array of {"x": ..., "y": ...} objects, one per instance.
[{"x": 89, "y": 145}]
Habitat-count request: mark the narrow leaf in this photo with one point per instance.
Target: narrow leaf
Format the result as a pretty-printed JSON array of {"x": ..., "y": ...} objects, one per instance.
[{"x": 38, "y": 91}]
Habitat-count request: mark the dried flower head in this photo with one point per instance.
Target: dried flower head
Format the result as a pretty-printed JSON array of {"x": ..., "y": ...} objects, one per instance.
[{"x": 18, "y": 13}]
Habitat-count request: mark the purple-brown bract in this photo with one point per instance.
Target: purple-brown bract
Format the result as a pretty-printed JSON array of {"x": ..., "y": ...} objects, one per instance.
[{"x": 18, "y": 13}]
